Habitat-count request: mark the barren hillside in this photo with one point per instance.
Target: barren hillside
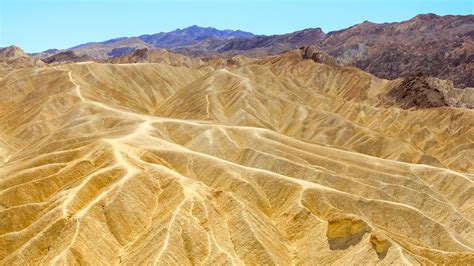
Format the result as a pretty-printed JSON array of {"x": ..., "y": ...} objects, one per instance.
[{"x": 281, "y": 160}]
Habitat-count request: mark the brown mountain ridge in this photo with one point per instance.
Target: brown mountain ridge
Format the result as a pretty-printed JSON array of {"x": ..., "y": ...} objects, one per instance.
[{"x": 438, "y": 46}]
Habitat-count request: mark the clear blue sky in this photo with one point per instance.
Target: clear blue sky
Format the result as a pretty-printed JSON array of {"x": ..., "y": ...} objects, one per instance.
[{"x": 37, "y": 25}]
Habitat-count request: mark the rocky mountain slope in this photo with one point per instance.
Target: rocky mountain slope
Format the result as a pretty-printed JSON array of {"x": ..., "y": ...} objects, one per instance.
[
  {"x": 420, "y": 91},
  {"x": 13, "y": 57},
  {"x": 281, "y": 160},
  {"x": 191, "y": 36},
  {"x": 258, "y": 46},
  {"x": 67, "y": 56},
  {"x": 438, "y": 46}
]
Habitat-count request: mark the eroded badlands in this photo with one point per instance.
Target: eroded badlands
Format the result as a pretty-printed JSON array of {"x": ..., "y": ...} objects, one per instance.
[{"x": 275, "y": 161}]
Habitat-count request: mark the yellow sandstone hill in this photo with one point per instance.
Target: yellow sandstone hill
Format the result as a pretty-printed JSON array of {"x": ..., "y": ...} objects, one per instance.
[{"x": 281, "y": 160}]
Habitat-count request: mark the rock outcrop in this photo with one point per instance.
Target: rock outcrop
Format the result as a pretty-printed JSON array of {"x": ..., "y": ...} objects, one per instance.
[
  {"x": 345, "y": 231},
  {"x": 380, "y": 243},
  {"x": 67, "y": 57},
  {"x": 421, "y": 91},
  {"x": 318, "y": 56}
]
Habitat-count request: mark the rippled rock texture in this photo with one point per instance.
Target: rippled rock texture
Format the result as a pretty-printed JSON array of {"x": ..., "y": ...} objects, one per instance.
[{"x": 276, "y": 161}]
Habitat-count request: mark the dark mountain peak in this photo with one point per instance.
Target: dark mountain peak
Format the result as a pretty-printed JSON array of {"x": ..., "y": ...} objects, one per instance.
[
  {"x": 191, "y": 36},
  {"x": 317, "y": 29},
  {"x": 196, "y": 31},
  {"x": 309, "y": 36},
  {"x": 428, "y": 16},
  {"x": 54, "y": 50},
  {"x": 367, "y": 22},
  {"x": 195, "y": 27},
  {"x": 310, "y": 31},
  {"x": 190, "y": 28}
]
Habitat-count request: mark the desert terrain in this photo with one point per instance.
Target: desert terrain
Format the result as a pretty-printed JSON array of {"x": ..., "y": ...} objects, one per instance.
[
  {"x": 156, "y": 158},
  {"x": 281, "y": 160}
]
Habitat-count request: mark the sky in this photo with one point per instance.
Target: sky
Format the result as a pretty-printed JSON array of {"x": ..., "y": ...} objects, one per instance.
[{"x": 38, "y": 25}]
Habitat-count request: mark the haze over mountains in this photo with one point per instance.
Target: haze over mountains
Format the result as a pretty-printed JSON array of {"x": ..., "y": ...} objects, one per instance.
[{"x": 230, "y": 148}]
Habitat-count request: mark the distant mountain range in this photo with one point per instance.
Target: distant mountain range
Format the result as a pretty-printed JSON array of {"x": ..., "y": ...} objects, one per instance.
[
  {"x": 440, "y": 46},
  {"x": 193, "y": 36}
]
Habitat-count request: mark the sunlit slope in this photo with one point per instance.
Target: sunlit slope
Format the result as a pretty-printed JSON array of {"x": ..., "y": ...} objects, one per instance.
[{"x": 282, "y": 161}]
